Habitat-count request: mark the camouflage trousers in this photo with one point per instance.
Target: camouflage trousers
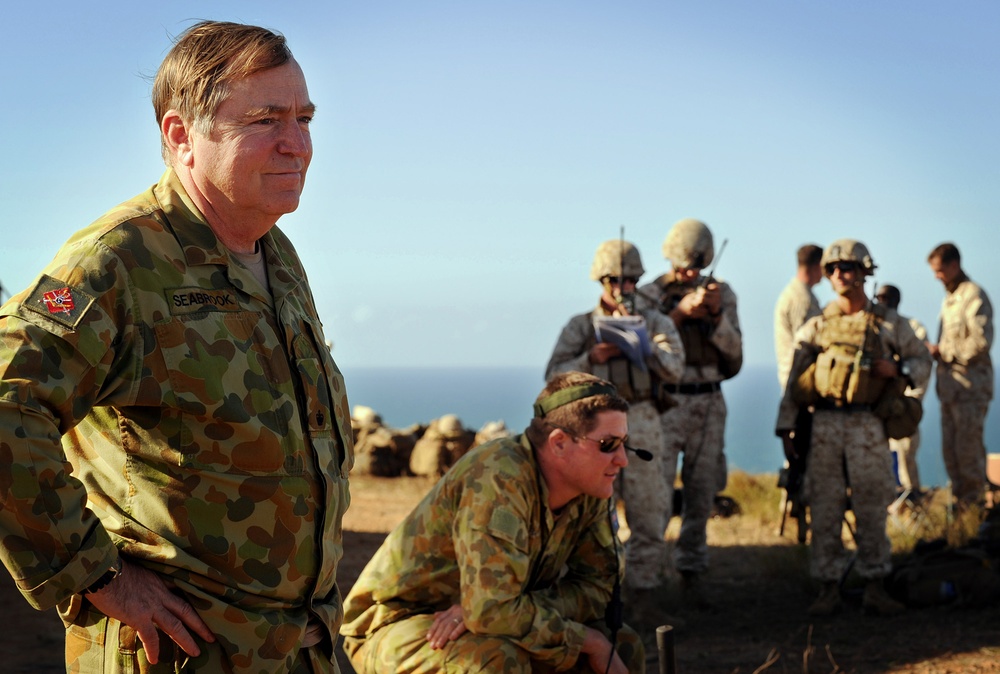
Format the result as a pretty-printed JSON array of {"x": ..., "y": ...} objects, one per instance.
[
  {"x": 849, "y": 449},
  {"x": 963, "y": 449},
  {"x": 96, "y": 644},
  {"x": 695, "y": 427},
  {"x": 647, "y": 499},
  {"x": 906, "y": 464},
  {"x": 402, "y": 648}
]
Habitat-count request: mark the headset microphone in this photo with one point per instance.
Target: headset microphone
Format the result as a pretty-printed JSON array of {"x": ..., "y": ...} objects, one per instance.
[{"x": 643, "y": 454}]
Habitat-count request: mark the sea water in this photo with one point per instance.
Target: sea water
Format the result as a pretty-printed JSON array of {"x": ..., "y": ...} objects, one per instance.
[{"x": 406, "y": 396}]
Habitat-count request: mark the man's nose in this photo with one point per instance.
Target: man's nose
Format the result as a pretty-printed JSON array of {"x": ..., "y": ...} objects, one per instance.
[{"x": 295, "y": 140}]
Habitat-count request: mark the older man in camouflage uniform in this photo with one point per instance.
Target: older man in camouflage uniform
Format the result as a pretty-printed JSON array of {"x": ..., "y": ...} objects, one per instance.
[
  {"x": 508, "y": 564},
  {"x": 704, "y": 311},
  {"x": 617, "y": 267},
  {"x": 846, "y": 364},
  {"x": 964, "y": 373},
  {"x": 175, "y": 438}
]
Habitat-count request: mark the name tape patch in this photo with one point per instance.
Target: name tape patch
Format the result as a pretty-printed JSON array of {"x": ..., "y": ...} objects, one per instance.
[{"x": 192, "y": 300}]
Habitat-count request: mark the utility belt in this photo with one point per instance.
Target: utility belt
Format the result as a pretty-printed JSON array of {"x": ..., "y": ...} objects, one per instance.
[
  {"x": 840, "y": 406},
  {"x": 694, "y": 388}
]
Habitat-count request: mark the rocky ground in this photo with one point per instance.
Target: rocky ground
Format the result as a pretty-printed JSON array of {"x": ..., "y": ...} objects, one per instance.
[{"x": 757, "y": 621}]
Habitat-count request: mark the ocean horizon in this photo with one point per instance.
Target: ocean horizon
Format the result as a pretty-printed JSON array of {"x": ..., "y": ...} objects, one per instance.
[{"x": 415, "y": 395}]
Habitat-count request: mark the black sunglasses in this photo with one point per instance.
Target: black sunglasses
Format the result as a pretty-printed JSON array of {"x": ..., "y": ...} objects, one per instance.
[
  {"x": 844, "y": 267},
  {"x": 606, "y": 446}
]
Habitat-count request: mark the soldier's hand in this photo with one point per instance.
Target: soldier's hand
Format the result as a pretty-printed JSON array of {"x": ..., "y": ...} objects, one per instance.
[
  {"x": 598, "y": 649},
  {"x": 788, "y": 445},
  {"x": 602, "y": 352},
  {"x": 935, "y": 350},
  {"x": 692, "y": 305},
  {"x": 140, "y": 599},
  {"x": 448, "y": 626},
  {"x": 712, "y": 298}
]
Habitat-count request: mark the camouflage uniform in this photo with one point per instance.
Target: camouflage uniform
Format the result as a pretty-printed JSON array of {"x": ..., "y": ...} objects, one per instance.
[
  {"x": 206, "y": 427},
  {"x": 965, "y": 386},
  {"x": 905, "y": 449},
  {"x": 646, "y": 502},
  {"x": 849, "y": 445},
  {"x": 796, "y": 305},
  {"x": 527, "y": 580},
  {"x": 696, "y": 425}
]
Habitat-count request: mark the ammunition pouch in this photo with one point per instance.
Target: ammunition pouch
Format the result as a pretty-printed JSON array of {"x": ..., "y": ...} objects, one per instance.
[
  {"x": 843, "y": 374},
  {"x": 698, "y": 350},
  {"x": 804, "y": 387},
  {"x": 632, "y": 383},
  {"x": 900, "y": 413}
]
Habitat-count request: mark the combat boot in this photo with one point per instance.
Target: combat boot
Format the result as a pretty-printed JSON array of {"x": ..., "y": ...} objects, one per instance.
[
  {"x": 878, "y": 602},
  {"x": 828, "y": 602}
]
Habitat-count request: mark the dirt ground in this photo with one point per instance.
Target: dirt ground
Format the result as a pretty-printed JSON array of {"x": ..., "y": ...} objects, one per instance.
[{"x": 756, "y": 623}]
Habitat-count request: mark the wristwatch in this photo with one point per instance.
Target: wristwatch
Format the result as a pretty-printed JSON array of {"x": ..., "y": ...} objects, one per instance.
[{"x": 105, "y": 578}]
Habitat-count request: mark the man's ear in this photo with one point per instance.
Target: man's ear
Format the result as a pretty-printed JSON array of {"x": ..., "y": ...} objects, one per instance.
[
  {"x": 557, "y": 441},
  {"x": 178, "y": 138}
]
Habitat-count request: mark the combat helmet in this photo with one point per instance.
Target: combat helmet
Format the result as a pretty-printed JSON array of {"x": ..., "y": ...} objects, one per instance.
[
  {"x": 689, "y": 244},
  {"x": 616, "y": 258},
  {"x": 848, "y": 250}
]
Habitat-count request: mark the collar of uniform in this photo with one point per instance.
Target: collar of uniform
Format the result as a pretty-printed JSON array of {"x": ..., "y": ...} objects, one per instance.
[
  {"x": 202, "y": 246},
  {"x": 284, "y": 270},
  {"x": 832, "y": 310},
  {"x": 197, "y": 240}
]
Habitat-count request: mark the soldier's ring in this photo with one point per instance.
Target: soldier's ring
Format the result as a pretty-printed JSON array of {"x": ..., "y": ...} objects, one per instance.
[{"x": 456, "y": 620}]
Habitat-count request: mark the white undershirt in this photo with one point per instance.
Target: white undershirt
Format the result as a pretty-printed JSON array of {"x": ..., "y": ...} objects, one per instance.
[{"x": 255, "y": 263}]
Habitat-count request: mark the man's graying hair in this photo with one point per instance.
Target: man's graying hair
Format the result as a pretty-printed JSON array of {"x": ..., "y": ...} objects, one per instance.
[
  {"x": 579, "y": 416},
  {"x": 194, "y": 77}
]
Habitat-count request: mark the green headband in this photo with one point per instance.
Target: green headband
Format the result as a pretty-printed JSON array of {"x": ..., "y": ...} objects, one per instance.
[{"x": 571, "y": 394}]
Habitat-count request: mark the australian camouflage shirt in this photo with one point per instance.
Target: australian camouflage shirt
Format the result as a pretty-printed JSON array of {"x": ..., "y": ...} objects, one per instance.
[
  {"x": 155, "y": 399},
  {"x": 485, "y": 537}
]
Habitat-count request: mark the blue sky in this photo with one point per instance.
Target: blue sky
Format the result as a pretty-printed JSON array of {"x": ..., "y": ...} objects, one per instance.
[{"x": 470, "y": 156}]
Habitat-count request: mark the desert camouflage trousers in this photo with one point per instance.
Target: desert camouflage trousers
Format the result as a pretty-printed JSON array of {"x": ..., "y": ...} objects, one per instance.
[
  {"x": 963, "y": 449},
  {"x": 695, "y": 428},
  {"x": 402, "y": 648},
  {"x": 905, "y": 450},
  {"x": 849, "y": 449},
  {"x": 96, "y": 644},
  {"x": 647, "y": 499}
]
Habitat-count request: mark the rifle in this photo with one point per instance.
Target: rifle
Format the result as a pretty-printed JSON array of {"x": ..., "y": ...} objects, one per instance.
[
  {"x": 790, "y": 478},
  {"x": 710, "y": 276}
]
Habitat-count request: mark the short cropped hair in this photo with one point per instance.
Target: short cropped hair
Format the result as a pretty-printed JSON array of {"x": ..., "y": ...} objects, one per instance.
[
  {"x": 946, "y": 252},
  {"x": 889, "y": 295},
  {"x": 810, "y": 255},
  {"x": 196, "y": 75},
  {"x": 579, "y": 416}
]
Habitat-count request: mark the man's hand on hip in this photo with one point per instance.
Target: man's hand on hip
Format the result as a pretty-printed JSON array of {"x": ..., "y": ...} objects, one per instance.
[{"x": 140, "y": 599}]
